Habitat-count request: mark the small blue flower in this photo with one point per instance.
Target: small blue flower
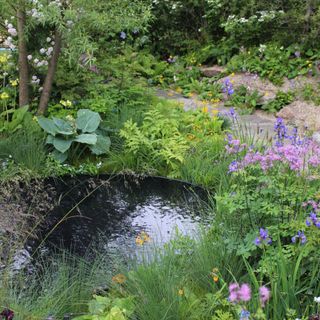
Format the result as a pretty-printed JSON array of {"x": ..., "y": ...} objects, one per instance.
[
  {"x": 244, "y": 314},
  {"x": 123, "y": 35}
]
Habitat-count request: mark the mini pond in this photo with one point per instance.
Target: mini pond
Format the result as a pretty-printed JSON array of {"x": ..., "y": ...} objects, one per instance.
[{"x": 106, "y": 214}]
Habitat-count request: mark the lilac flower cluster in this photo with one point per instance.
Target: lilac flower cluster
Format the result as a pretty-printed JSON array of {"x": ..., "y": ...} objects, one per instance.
[
  {"x": 299, "y": 154},
  {"x": 313, "y": 220},
  {"x": 234, "y": 145},
  {"x": 227, "y": 87},
  {"x": 299, "y": 237},
  {"x": 263, "y": 237},
  {"x": 238, "y": 294}
]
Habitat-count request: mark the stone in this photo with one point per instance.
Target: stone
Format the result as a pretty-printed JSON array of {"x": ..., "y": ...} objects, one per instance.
[
  {"x": 303, "y": 115},
  {"x": 210, "y": 72}
]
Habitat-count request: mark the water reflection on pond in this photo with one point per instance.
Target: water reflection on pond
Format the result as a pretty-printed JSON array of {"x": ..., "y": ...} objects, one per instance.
[{"x": 111, "y": 213}]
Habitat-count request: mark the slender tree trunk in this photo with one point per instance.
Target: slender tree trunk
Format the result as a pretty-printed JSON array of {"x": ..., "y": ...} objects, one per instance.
[
  {"x": 23, "y": 60},
  {"x": 47, "y": 86}
]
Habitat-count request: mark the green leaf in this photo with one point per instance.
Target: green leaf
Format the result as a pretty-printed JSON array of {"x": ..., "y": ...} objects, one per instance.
[
  {"x": 49, "y": 139},
  {"x": 99, "y": 305},
  {"x": 88, "y": 121},
  {"x": 102, "y": 145},
  {"x": 63, "y": 127},
  {"x": 61, "y": 144},
  {"x": 88, "y": 138},
  {"x": 48, "y": 125},
  {"x": 59, "y": 156}
]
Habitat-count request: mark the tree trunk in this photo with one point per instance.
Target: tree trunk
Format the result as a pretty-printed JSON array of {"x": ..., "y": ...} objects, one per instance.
[
  {"x": 47, "y": 86},
  {"x": 23, "y": 60}
]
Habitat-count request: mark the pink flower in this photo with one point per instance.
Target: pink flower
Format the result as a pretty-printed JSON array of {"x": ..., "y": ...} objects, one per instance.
[
  {"x": 233, "y": 292},
  {"x": 264, "y": 294},
  {"x": 237, "y": 293},
  {"x": 245, "y": 292}
]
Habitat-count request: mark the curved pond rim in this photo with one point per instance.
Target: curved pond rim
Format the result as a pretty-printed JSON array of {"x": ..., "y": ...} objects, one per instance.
[{"x": 131, "y": 175}]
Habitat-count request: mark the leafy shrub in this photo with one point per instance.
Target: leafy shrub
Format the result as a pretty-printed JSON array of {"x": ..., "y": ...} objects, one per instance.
[
  {"x": 274, "y": 62},
  {"x": 66, "y": 136},
  {"x": 244, "y": 100},
  {"x": 157, "y": 143},
  {"x": 281, "y": 100}
]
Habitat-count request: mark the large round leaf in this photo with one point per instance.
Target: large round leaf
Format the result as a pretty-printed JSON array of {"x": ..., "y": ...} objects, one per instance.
[
  {"x": 88, "y": 138},
  {"x": 63, "y": 127},
  {"x": 87, "y": 120},
  {"x": 61, "y": 157},
  {"x": 61, "y": 144},
  {"x": 48, "y": 125},
  {"x": 102, "y": 146}
]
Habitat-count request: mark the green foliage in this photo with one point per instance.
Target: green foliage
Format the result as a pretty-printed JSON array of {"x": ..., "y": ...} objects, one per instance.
[
  {"x": 67, "y": 135},
  {"x": 109, "y": 309},
  {"x": 244, "y": 100},
  {"x": 281, "y": 100},
  {"x": 311, "y": 93},
  {"x": 274, "y": 62},
  {"x": 158, "y": 143},
  {"x": 26, "y": 148}
]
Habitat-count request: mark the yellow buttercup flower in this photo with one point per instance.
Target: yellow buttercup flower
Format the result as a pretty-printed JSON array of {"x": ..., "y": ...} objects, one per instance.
[
  {"x": 14, "y": 83},
  {"x": 181, "y": 292},
  {"x": 216, "y": 279},
  {"x": 310, "y": 65},
  {"x": 232, "y": 74},
  {"x": 4, "y": 96}
]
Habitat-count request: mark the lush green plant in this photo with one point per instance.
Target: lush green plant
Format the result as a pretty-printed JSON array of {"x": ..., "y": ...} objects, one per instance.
[
  {"x": 281, "y": 100},
  {"x": 244, "y": 100},
  {"x": 157, "y": 143},
  {"x": 274, "y": 62},
  {"x": 109, "y": 308},
  {"x": 68, "y": 135}
]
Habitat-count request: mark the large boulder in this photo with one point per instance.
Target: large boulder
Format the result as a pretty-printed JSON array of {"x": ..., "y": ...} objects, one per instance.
[{"x": 304, "y": 115}]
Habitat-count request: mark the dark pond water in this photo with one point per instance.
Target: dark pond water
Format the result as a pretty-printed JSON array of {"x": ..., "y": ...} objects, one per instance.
[{"x": 107, "y": 214}]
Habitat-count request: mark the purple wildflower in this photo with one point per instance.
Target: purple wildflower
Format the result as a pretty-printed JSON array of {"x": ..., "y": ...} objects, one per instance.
[
  {"x": 244, "y": 315},
  {"x": 300, "y": 236},
  {"x": 263, "y": 237},
  {"x": 123, "y": 35},
  {"x": 234, "y": 166},
  {"x": 239, "y": 293},
  {"x": 264, "y": 294},
  {"x": 227, "y": 87}
]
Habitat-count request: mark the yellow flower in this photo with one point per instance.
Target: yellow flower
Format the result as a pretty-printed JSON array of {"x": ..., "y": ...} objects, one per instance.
[
  {"x": 190, "y": 94},
  {"x": 210, "y": 94},
  {"x": 180, "y": 292},
  {"x": 215, "y": 112},
  {"x": 266, "y": 94},
  {"x": 142, "y": 238},
  {"x": 179, "y": 90},
  {"x": 14, "y": 83},
  {"x": 4, "y": 96},
  {"x": 214, "y": 275},
  {"x": 205, "y": 109},
  {"x": 67, "y": 103},
  {"x": 3, "y": 58},
  {"x": 310, "y": 65},
  {"x": 170, "y": 94},
  {"x": 232, "y": 74},
  {"x": 119, "y": 278},
  {"x": 215, "y": 279}
]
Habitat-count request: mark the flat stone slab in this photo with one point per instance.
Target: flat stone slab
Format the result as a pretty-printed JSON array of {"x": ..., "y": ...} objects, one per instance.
[
  {"x": 210, "y": 72},
  {"x": 301, "y": 114}
]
